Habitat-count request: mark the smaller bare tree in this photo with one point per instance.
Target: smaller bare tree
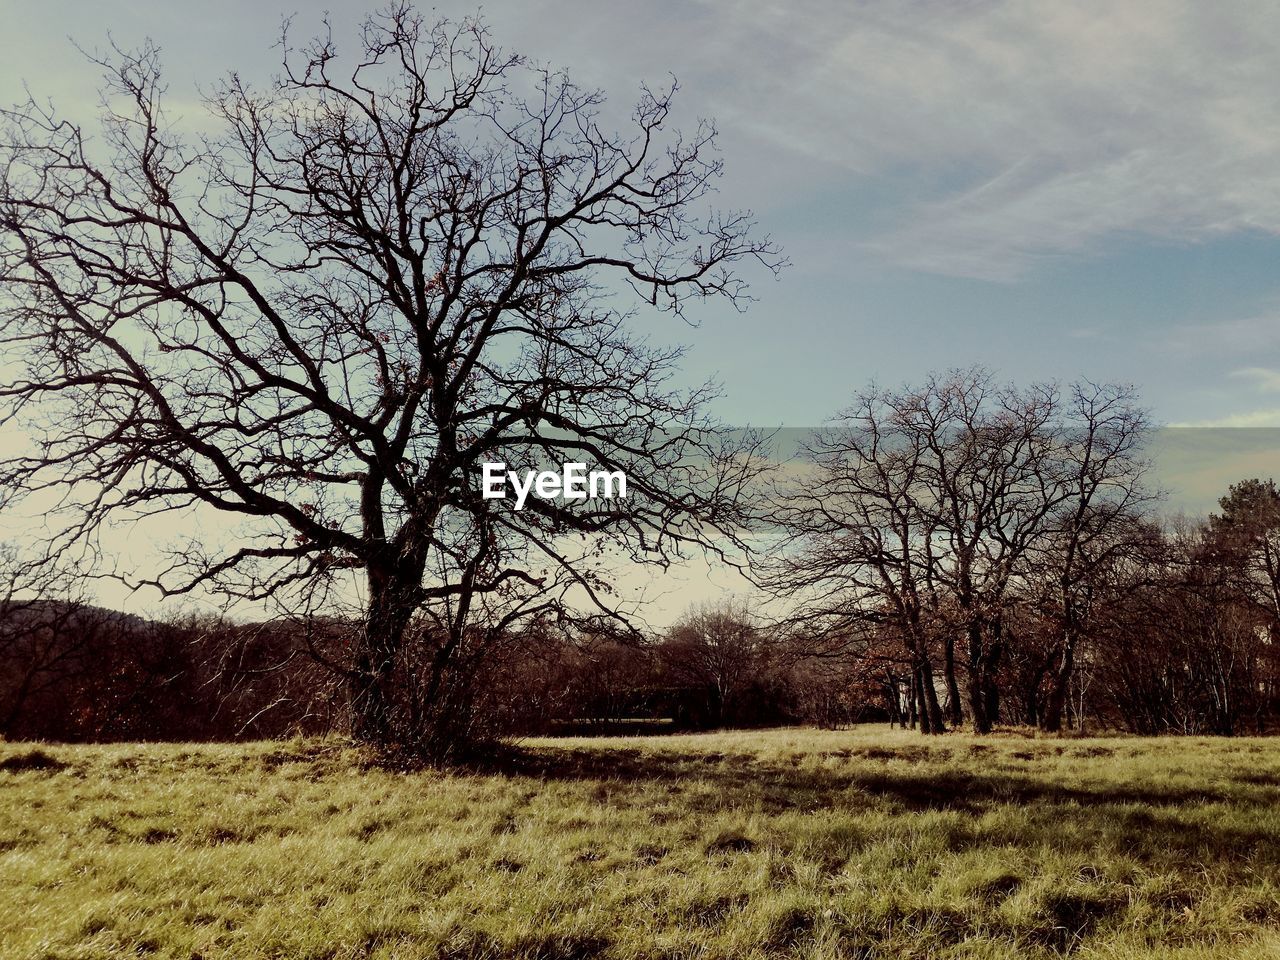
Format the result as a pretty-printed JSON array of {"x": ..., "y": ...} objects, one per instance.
[
  {"x": 718, "y": 647},
  {"x": 925, "y": 508}
]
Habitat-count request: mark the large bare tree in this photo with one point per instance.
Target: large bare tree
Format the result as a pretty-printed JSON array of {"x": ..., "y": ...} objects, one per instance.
[{"x": 359, "y": 283}]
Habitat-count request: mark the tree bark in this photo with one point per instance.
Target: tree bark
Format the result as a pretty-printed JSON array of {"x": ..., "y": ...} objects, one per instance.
[
  {"x": 954, "y": 714},
  {"x": 892, "y": 695},
  {"x": 1060, "y": 676},
  {"x": 377, "y": 646},
  {"x": 931, "y": 719},
  {"x": 976, "y": 685}
]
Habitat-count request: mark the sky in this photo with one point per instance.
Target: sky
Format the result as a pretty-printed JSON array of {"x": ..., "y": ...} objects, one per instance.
[{"x": 1053, "y": 190}]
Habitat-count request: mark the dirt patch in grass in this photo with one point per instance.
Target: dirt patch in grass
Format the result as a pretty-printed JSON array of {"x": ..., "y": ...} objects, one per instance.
[
  {"x": 158, "y": 835},
  {"x": 713, "y": 911},
  {"x": 789, "y": 929},
  {"x": 551, "y": 946}
]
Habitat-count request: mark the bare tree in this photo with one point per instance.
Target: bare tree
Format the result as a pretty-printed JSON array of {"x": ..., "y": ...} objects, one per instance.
[
  {"x": 1097, "y": 522},
  {"x": 855, "y": 549},
  {"x": 325, "y": 315},
  {"x": 985, "y": 493},
  {"x": 718, "y": 647},
  {"x": 1246, "y": 534},
  {"x": 927, "y": 508},
  {"x": 1183, "y": 648}
]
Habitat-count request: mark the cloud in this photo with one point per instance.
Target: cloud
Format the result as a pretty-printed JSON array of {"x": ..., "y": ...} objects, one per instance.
[
  {"x": 1263, "y": 379},
  {"x": 1251, "y": 418},
  {"x": 1027, "y": 131},
  {"x": 1249, "y": 335},
  {"x": 992, "y": 136}
]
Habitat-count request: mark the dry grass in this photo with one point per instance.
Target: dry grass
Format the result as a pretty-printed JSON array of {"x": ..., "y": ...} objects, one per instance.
[{"x": 785, "y": 843}]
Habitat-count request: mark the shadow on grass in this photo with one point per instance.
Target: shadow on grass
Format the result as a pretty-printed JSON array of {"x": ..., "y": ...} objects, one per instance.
[
  {"x": 1150, "y": 816},
  {"x": 30, "y": 760},
  {"x": 913, "y": 788}
]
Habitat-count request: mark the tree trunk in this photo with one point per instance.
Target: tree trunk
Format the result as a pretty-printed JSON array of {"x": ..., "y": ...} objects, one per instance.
[
  {"x": 931, "y": 720},
  {"x": 377, "y": 646},
  {"x": 976, "y": 685},
  {"x": 1060, "y": 684},
  {"x": 894, "y": 701},
  {"x": 954, "y": 714}
]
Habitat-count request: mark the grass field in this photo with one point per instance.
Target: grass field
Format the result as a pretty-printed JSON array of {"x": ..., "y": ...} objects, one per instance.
[{"x": 860, "y": 843}]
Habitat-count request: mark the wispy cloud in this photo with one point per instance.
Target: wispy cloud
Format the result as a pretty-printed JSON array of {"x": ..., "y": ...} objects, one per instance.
[
  {"x": 1040, "y": 129},
  {"x": 1243, "y": 336},
  {"x": 1260, "y": 380},
  {"x": 1250, "y": 418},
  {"x": 997, "y": 135},
  {"x": 1263, "y": 379}
]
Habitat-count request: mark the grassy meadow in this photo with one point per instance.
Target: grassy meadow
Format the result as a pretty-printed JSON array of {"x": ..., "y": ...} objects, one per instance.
[{"x": 862, "y": 843}]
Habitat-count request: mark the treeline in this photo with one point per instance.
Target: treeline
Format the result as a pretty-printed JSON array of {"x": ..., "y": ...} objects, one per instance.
[
  {"x": 75, "y": 672},
  {"x": 1178, "y": 641}
]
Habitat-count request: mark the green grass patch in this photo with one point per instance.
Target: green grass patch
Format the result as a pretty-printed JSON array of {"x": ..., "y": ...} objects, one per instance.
[{"x": 796, "y": 843}]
